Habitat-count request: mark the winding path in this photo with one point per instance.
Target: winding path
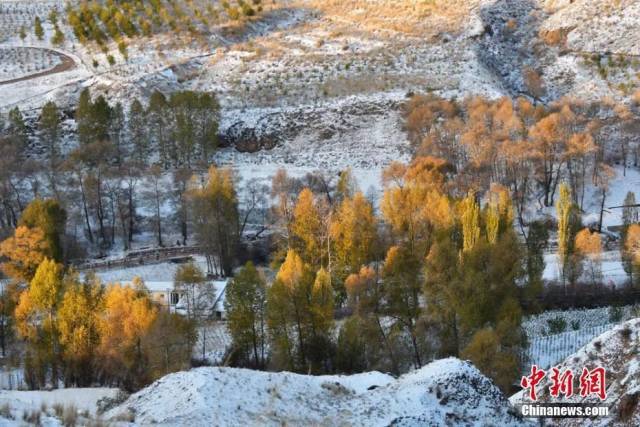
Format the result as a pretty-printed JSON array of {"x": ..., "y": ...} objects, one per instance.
[{"x": 67, "y": 63}]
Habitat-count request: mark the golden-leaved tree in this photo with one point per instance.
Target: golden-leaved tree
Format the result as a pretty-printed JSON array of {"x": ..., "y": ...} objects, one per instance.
[
  {"x": 308, "y": 229},
  {"x": 128, "y": 315},
  {"x": 216, "y": 219},
  {"x": 298, "y": 303},
  {"x": 78, "y": 328},
  {"x": 589, "y": 246},
  {"x": 24, "y": 251},
  {"x": 354, "y": 236},
  {"x": 415, "y": 201},
  {"x": 36, "y": 322}
]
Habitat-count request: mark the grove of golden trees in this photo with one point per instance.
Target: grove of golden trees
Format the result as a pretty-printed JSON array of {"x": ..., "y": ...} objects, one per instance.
[{"x": 81, "y": 332}]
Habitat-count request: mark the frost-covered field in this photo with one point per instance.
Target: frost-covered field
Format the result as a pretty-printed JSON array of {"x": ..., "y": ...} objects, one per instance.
[
  {"x": 538, "y": 325},
  {"x": 17, "y": 14},
  {"x": 152, "y": 272},
  {"x": 212, "y": 343},
  {"x": 19, "y": 62},
  {"x": 581, "y": 326},
  {"x": 19, "y": 405},
  {"x": 546, "y": 351}
]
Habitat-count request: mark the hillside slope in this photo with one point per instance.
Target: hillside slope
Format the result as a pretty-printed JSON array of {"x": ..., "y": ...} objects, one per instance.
[
  {"x": 445, "y": 392},
  {"x": 313, "y": 76}
]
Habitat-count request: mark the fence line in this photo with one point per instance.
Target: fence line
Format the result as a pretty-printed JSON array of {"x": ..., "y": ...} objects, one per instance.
[
  {"x": 142, "y": 257},
  {"x": 546, "y": 351}
]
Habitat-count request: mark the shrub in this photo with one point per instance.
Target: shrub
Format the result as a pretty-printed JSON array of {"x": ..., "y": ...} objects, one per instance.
[
  {"x": 233, "y": 13},
  {"x": 107, "y": 403},
  {"x": 32, "y": 417},
  {"x": 626, "y": 333},
  {"x": 575, "y": 325},
  {"x": 39, "y": 32},
  {"x": 597, "y": 345},
  {"x": 557, "y": 325},
  {"x": 70, "y": 416},
  {"x": 247, "y": 10},
  {"x": 615, "y": 314},
  {"x": 58, "y": 409},
  {"x": 58, "y": 37},
  {"x": 5, "y": 411}
]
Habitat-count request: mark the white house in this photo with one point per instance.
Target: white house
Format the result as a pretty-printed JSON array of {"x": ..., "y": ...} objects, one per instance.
[{"x": 166, "y": 295}]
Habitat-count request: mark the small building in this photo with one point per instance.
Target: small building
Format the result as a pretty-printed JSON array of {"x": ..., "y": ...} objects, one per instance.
[{"x": 168, "y": 297}]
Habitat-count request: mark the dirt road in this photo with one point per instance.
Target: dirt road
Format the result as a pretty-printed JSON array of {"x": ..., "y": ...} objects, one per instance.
[{"x": 67, "y": 63}]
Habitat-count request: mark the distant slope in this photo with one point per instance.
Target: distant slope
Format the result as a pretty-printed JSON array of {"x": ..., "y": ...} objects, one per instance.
[{"x": 445, "y": 392}]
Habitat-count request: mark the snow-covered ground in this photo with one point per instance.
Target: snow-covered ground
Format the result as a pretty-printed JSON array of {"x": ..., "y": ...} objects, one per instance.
[
  {"x": 613, "y": 273},
  {"x": 538, "y": 325},
  {"x": 445, "y": 392},
  {"x": 80, "y": 400},
  {"x": 161, "y": 272},
  {"x": 19, "y": 62}
]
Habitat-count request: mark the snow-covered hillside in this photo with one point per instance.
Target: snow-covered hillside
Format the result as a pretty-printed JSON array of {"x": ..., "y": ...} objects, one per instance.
[
  {"x": 445, "y": 392},
  {"x": 617, "y": 351}
]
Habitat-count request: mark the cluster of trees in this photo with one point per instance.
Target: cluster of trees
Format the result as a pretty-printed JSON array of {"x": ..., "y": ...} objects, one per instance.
[
  {"x": 176, "y": 130},
  {"x": 101, "y": 22},
  {"x": 58, "y": 36},
  {"x": 118, "y": 165},
  {"x": 434, "y": 275},
  {"x": 81, "y": 332},
  {"x": 532, "y": 150},
  {"x": 528, "y": 148}
]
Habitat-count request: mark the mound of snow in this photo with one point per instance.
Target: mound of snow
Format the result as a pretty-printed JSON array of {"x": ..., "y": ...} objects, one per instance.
[
  {"x": 445, "y": 392},
  {"x": 617, "y": 351}
]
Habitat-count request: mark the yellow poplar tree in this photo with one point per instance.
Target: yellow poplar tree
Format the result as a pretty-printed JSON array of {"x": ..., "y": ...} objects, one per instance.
[
  {"x": 470, "y": 218},
  {"x": 322, "y": 302},
  {"x": 632, "y": 248},
  {"x": 589, "y": 245},
  {"x": 290, "y": 314},
  {"x": 499, "y": 214},
  {"x": 78, "y": 328},
  {"x": 308, "y": 228},
  {"x": 36, "y": 315},
  {"x": 353, "y": 233},
  {"x": 563, "y": 209}
]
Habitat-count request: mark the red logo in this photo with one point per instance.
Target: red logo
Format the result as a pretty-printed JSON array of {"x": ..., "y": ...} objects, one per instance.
[
  {"x": 532, "y": 380},
  {"x": 562, "y": 383},
  {"x": 591, "y": 382}
]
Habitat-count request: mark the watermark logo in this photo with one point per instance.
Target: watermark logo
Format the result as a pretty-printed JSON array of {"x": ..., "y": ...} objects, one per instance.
[{"x": 590, "y": 383}]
